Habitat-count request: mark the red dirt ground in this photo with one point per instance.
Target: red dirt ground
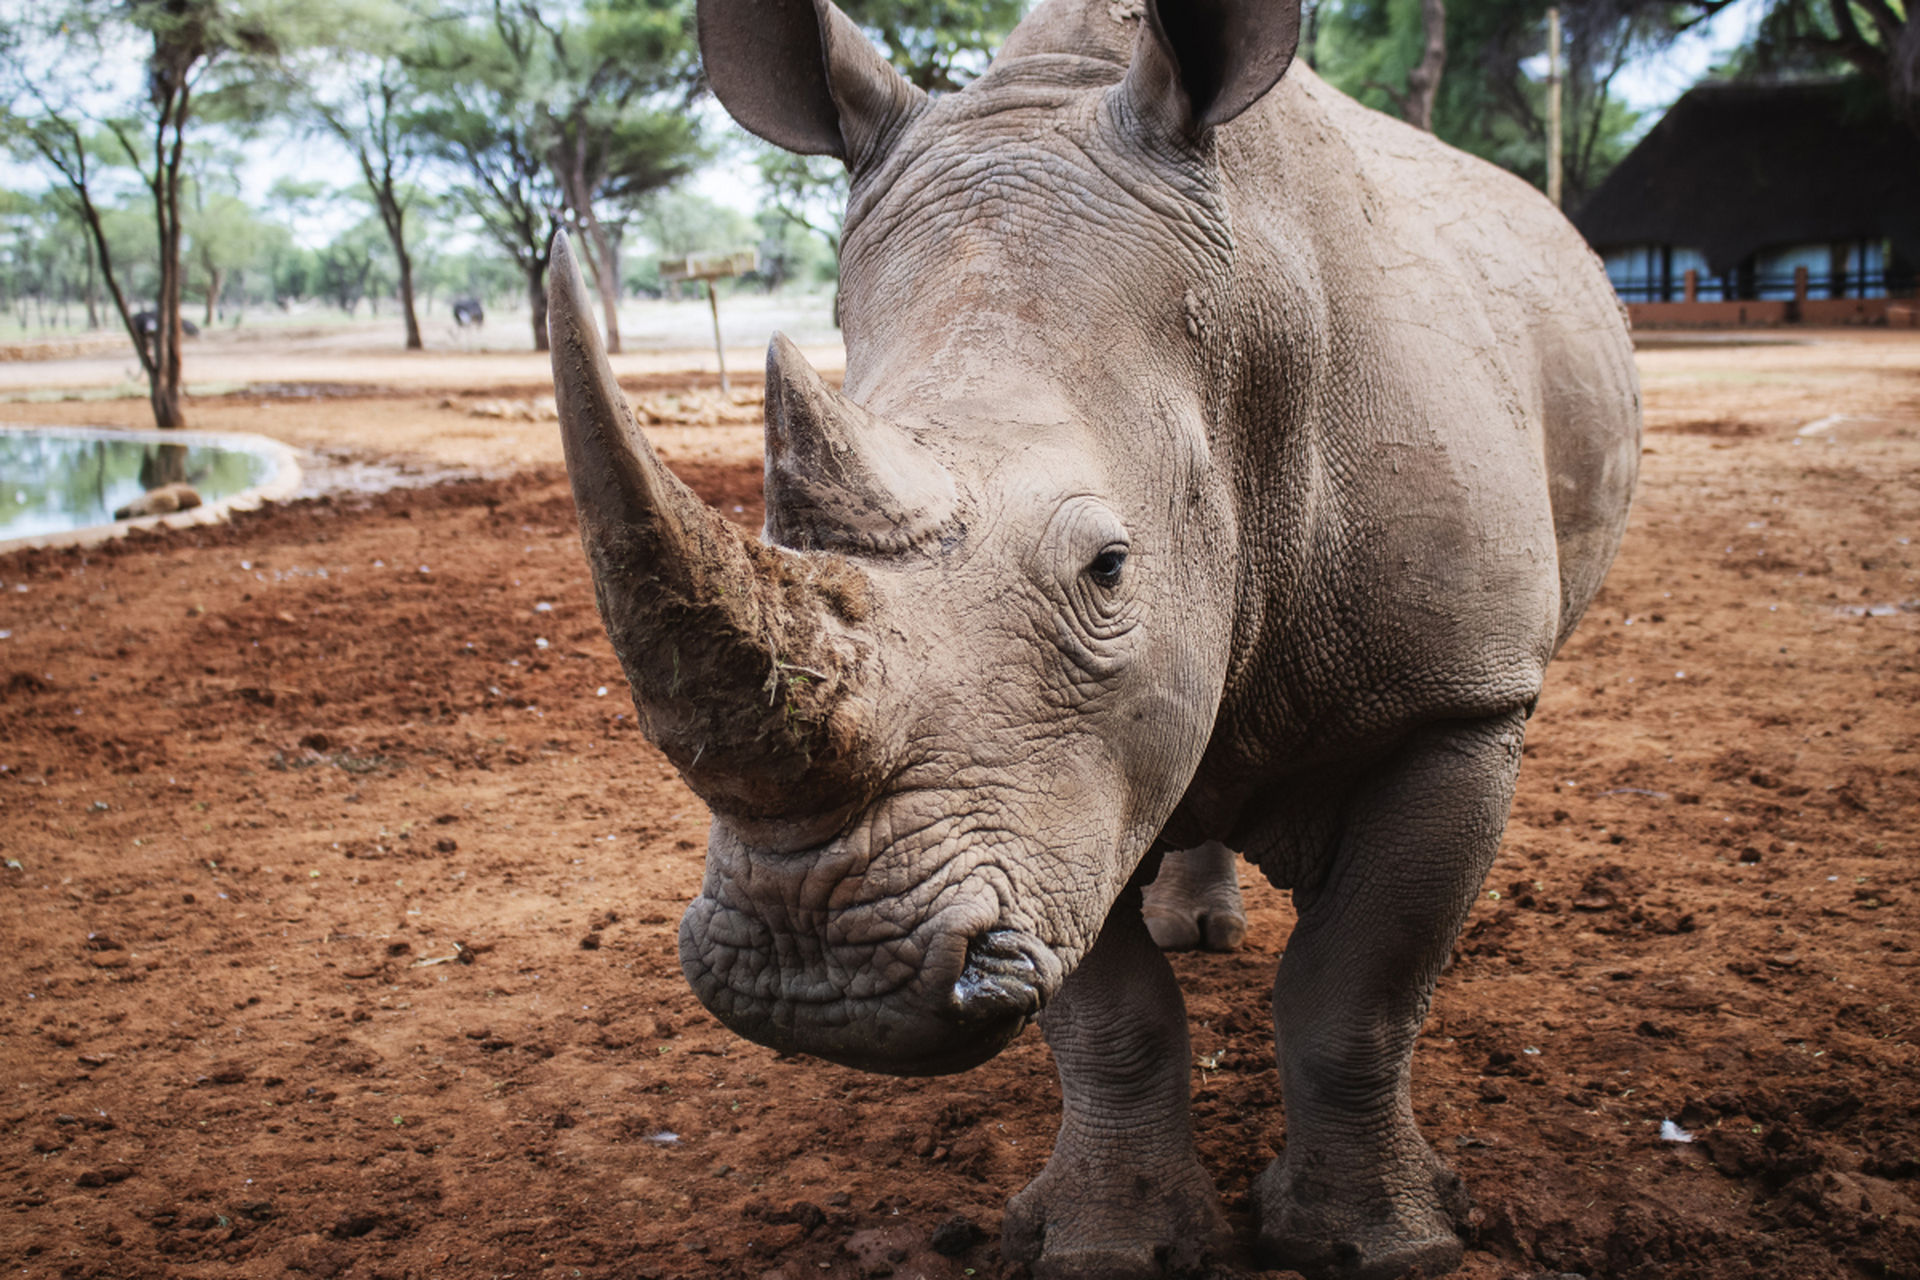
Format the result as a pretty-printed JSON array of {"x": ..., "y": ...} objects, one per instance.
[{"x": 342, "y": 913}]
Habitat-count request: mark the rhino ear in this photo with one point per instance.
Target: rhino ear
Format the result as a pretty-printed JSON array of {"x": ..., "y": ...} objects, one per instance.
[
  {"x": 800, "y": 74},
  {"x": 1200, "y": 63}
]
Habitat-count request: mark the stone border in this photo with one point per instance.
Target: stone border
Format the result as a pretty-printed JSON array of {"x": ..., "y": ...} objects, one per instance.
[{"x": 280, "y": 486}]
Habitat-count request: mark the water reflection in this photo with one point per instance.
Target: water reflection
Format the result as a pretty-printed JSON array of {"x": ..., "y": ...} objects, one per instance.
[{"x": 52, "y": 481}]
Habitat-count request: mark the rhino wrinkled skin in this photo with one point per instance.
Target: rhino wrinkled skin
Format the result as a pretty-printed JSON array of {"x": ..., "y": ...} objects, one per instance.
[{"x": 1217, "y": 460}]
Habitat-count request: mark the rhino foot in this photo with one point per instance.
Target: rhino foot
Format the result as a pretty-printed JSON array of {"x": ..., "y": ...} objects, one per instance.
[
  {"x": 1378, "y": 1228},
  {"x": 1130, "y": 1225},
  {"x": 1195, "y": 900}
]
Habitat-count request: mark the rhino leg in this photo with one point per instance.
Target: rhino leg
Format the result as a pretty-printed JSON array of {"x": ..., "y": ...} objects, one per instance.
[
  {"x": 1358, "y": 1193},
  {"x": 1195, "y": 901},
  {"x": 1123, "y": 1194}
]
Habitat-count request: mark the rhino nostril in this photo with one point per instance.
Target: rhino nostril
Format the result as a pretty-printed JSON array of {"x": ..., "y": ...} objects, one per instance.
[{"x": 998, "y": 980}]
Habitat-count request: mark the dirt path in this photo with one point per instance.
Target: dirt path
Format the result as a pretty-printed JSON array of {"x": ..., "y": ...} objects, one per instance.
[{"x": 341, "y": 899}]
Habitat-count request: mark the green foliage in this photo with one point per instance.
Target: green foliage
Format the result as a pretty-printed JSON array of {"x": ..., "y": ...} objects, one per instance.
[
  {"x": 1366, "y": 47},
  {"x": 676, "y": 223},
  {"x": 806, "y": 192},
  {"x": 511, "y": 98},
  {"x": 483, "y": 85},
  {"x": 1492, "y": 99},
  {"x": 41, "y": 256},
  {"x": 292, "y": 270},
  {"x": 468, "y": 274},
  {"x": 937, "y": 44},
  {"x": 1876, "y": 40},
  {"x": 357, "y": 265},
  {"x": 361, "y": 94},
  {"x": 672, "y": 224},
  {"x": 792, "y": 254},
  {"x": 225, "y": 234}
]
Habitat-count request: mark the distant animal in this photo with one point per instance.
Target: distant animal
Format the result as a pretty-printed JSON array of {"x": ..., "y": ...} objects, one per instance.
[
  {"x": 166, "y": 499},
  {"x": 1216, "y": 460},
  {"x": 467, "y": 313},
  {"x": 147, "y": 324}
]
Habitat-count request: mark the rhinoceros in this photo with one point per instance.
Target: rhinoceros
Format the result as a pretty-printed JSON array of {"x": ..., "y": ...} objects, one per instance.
[{"x": 1216, "y": 460}]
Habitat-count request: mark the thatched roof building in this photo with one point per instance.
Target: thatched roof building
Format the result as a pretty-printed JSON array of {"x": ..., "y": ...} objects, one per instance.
[{"x": 1736, "y": 170}]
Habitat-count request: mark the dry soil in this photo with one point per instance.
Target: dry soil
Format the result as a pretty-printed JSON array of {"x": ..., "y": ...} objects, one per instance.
[{"x": 340, "y": 896}]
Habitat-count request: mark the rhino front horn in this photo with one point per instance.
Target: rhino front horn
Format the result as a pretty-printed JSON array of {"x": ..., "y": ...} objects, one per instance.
[
  {"x": 745, "y": 661},
  {"x": 837, "y": 476}
]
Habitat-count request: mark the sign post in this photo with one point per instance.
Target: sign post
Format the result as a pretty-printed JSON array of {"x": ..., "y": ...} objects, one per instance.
[{"x": 710, "y": 267}]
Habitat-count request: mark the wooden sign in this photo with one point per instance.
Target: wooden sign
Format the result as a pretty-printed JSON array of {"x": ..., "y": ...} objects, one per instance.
[{"x": 710, "y": 267}]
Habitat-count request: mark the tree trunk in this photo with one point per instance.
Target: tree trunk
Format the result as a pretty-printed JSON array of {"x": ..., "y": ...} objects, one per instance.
[
  {"x": 606, "y": 278},
  {"x": 164, "y": 377},
  {"x": 1423, "y": 81},
  {"x": 537, "y": 298},
  {"x": 216, "y": 280},
  {"x": 406, "y": 297},
  {"x": 597, "y": 248},
  {"x": 96, "y": 232},
  {"x": 393, "y": 215},
  {"x": 93, "y": 291}
]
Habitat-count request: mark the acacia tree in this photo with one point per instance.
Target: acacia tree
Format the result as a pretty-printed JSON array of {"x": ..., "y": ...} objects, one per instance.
[
  {"x": 223, "y": 237},
  {"x": 548, "y": 122},
  {"x": 370, "y": 120},
  {"x": 484, "y": 84},
  {"x": 364, "y": 94},
  {"x": 613, "y": 132},
  {"x": 56, "y": 61}
]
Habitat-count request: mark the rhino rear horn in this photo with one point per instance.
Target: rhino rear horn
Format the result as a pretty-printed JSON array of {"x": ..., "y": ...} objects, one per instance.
[
  {"x": 746, "y": 661},
  {"x": 838, "y": 477}
]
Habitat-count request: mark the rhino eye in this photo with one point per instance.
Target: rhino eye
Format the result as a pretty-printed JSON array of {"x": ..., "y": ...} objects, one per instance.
[{"x": 1106, "y": 566}]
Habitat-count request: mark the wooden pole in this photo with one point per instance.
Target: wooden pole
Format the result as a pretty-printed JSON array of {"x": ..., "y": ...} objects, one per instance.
[
  {"x": 1553, "y": 105},
  {"x": 719, "y": 348}
]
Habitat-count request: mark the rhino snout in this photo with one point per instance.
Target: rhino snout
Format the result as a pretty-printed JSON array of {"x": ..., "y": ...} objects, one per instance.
[{"x": 969, "y": 994}]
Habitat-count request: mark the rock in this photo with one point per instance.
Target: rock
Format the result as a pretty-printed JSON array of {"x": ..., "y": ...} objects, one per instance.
[
  {"x": 166, "y": 499},
  {"x": 104, "y": 1176}
]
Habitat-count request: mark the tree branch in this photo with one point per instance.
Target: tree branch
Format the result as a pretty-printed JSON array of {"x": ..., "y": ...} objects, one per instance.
[
  {"x": 1398, "y": 99},
  {"x": 76, "y": 177},
  {"x": 1853, "y": 44},
  {"x": 1709, "y": 9},
  {"x": 1885, "y": 21}
]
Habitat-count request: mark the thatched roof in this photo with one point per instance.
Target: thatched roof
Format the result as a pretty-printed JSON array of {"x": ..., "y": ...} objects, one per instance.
[{"x": 1735, "y": 168}]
